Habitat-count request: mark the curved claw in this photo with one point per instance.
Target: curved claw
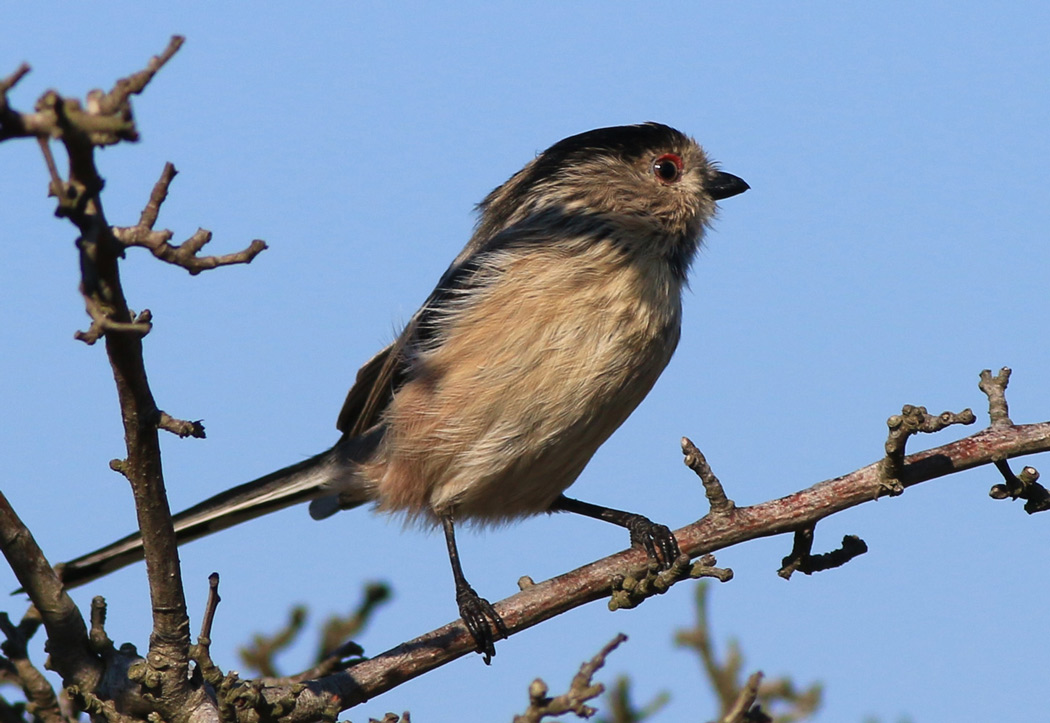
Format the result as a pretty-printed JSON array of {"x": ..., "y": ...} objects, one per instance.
[
  {"x": 658, "y": 540},
  {"x": 476, "y": 613}
]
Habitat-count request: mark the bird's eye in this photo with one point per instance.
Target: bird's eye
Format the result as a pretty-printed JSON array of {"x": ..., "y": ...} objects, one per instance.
[{"x": 668, "y": 168}]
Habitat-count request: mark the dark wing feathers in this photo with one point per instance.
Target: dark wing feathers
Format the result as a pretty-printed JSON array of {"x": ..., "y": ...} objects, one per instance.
[
  {"x": 384, "y": 373},
  {"x": 370, "y": 394}
]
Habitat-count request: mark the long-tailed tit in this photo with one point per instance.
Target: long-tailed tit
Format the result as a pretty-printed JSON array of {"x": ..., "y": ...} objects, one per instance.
[{"x": 540, "y": 339}]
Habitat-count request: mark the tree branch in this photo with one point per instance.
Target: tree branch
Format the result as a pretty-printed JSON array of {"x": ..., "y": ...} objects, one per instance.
[
  {"x": 12, "y": 124},
  {"x": 544, "y": 600},
  {"x": 184, "y": 254},
  {"x": 67, "y": 633},
  {"x": 105, "y": 119},
  {"x": 581, "y": 690},
  {"x": 41, "y": 701}
]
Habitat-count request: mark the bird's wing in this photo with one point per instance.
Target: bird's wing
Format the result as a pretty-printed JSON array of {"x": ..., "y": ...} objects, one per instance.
[{"x": 384, "y": 373}]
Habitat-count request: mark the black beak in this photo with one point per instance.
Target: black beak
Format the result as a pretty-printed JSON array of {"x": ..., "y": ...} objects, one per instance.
[{"x": 724, "y": 185}]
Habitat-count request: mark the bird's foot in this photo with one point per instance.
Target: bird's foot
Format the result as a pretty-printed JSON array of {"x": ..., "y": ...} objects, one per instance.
[
  {"x": 482, "y": 620},
  {"x": 657, "y": 540}
]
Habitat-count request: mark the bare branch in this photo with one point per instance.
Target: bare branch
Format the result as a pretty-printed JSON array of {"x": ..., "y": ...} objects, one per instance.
[
  {"x": 910, "y": 421},
  {"x": 66, "y": 631},
  {"x": 336, "y": 651},
  {"x": 201, "y": 652},
  {"x": 260, "y": 654},
  {"x": 157, "y": 197},
  {"x": 180, "y": 427},
  {"x": 338, "y": 629},
  {"x": 582, "y": 690},
  {"x": 740, "y": 711},
  {"x": 107, "y": 120},
  {"x": 184, "y": 254},
  {"x": 41, "y": 701},
  {"x": 540, "y": 601},
  {"x": 995, "y": 389},
  {"x": 97, "y": 707},
  {"x": 100, "y": 641},
  {"x": 56, "y": 187},
  {"x": 716, "y": 496},
  {"x": 10, "y": 81},
  {"x": 102, "y": 324},
  {"x": 11, "y": 122},
  {"x": 210, "y": 608},
  {"x": 117, "y": 99},
  {"x": 1024, "y": 486},
  {"x": 801, "y": 560},
  {"x": 629, "y": 591}
]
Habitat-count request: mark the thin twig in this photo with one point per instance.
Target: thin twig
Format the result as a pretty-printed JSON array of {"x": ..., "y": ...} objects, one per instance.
[
  {"x": 910, "y": 421},
  {"x": 201, "y": 652},
  {"x": 181, "y": 427},
  {"x": 1026, "y": 485},
  {"x": 739, "y": 711},
  {"x": 716, "y": 496},
  {"x": 264, "y": 648},
  {"x": 41, "y": 701},
  {"x": 184, "y": 255},
  {"x": 100, "y": 641},
  {"x": 157, "y": 197},
  {"x": 629, "y": 591},
  {"x": 802, "y": 560},
  {"x": 209, "y": 609},
  {"x": 56, "y": 187},
  {"x": 1023, "y": 486},
  {"x": 581, "y": 690},
  {"x": 137, "y": 82},
  {"x": 995, "y": 388},
  {"x": 10, "y": 81},
  {"x": 11, "y": 122}
]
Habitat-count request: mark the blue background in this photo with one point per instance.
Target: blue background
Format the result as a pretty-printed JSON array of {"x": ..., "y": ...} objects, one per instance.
[{"x": 892, "y": 246}]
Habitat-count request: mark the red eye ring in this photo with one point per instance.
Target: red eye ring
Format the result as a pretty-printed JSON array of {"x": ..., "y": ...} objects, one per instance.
[{"x": 668, "y": 168}]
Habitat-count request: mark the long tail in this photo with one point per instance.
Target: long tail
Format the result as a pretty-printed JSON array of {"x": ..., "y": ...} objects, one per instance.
[{"x": 285, "y": 487}]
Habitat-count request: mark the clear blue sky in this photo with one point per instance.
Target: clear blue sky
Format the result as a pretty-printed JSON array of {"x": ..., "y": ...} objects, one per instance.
[{"x": 892, "y": 246}]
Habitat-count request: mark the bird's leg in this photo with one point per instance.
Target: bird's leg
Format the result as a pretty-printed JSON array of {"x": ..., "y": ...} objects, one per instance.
[
  {"x": 658, "y": 540},
  {"x": 475, "y": 610}
]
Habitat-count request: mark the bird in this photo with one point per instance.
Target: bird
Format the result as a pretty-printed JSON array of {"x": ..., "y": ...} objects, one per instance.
[{"x": 545, "y": 332}]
